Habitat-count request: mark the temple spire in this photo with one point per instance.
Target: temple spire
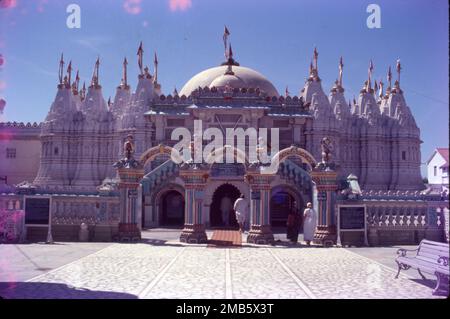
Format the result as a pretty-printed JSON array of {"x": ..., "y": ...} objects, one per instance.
[
  {"x": 341, "y": 68},
  {"x": 61, "y": 69},
  {"x": 287, "y": 93},
  {"x": 140, "y": 55},
  {"x": 155, "y": 64},
  {"x": 175, "y": 91}
]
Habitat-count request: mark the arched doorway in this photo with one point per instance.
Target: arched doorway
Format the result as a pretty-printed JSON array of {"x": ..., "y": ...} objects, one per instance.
[
  {"x": 282, "y": 201},
  {"x": 222, "y": 205},
  {"x": 172, "y": 209}
]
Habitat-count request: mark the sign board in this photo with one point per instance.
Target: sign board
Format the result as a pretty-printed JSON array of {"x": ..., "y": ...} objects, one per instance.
[
  {"x": 352, "y": 218},
  {"x": 37, "y": 210},
  {"x": 227, "y": 169}
]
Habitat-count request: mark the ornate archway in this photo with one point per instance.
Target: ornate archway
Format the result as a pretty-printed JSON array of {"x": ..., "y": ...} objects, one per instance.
[
  {"x": 221, "y": 209},
  {"x": 282, "y": 200},
  {"x": 161, "y": 149},
  {"x": 238, "y": 155},
  {"x": 301, "y": 153}
]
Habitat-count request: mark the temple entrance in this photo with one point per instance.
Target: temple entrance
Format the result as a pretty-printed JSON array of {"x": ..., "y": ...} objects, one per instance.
[
  {"x": 172, "y": 209},
  {"x": 221, "y": 212},
  {"x": 282, "y": 202}
]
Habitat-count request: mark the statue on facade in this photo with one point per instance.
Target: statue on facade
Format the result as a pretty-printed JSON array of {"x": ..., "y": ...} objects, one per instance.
[
  {"x": 128, "y": 151},
  {"x": 128, "y": 147},
  {"x": 327, "y": 148}
]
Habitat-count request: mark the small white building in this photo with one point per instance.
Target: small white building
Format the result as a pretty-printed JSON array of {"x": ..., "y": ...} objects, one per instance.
[{"x": 437, "y": 170}]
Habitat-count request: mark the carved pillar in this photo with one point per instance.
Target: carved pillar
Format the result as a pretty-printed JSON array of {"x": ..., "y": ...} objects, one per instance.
[
  {"x": 194, "y": 230},
  {"x": 326, "y": 183},
  {"x": 130, "y": 174},
  {"x": 260, "y": 229}
]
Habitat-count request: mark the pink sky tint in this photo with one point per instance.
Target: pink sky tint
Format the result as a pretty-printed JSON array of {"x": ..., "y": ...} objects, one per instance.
[
  {"x": 8, "y": 3},
  {"x": 181, "y": 5},
  {"x": 41, "y": 5},
  {"x": 145, "y": 23},
  {"x": 2, "y": 85},
  {"x": 132, "y": 6},
  {"x": 2, "y": 60}
]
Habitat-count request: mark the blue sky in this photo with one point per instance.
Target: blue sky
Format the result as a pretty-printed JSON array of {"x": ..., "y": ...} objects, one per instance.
[{"x": 274, "y": 37}]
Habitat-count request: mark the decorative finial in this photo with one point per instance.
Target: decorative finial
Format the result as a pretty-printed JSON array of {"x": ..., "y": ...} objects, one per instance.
[
  {"x": 155, "y": 64},
  {"x": 230, "y": 62},
  {"x": 95, "y": 76},
  {"x": 69, "y": 73},
  {"x": 140, "y": 55},
  {"x": 226, "y": 34},
  {"x": 369, "y": 80},
  {"x": 399, "y": 68},
  {"x": 109, "y": 103},
  {"x": 287, "y": 93},
  {"x": 380, "y": 93},
  {"x": 316, "y": 56},
  {"x": 125, "y": 76},
  {"x": 147, "y": 73},
  {"x": 61, "y": 69},
  {"x": 77, "y": 79},
  {"x": 83, "y": 92},
  {"x": 389, "y": 78},
  {"x": 341, "y": 68},
  {"x": 175, "y": 91},
  {"x": 75, "y": 84}
]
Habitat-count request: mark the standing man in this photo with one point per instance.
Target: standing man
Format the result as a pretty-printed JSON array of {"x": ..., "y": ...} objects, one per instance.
[
  {"x": 293, "y": 223},
  {"x": 309, "y": 224},
  {"x": 241, "y": 209}
]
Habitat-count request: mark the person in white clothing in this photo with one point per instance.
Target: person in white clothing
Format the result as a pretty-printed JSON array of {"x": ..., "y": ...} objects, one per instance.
[
  {"x": 309, "y": 223},
  {"x": 241, "y": 209}
]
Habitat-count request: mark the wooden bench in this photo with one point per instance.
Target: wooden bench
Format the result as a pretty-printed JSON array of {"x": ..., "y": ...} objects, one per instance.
[{"x": 431, "y": 257}]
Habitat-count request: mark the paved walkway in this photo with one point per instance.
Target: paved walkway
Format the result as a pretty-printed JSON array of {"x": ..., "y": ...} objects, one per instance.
[{"x": 161, "y": 267}]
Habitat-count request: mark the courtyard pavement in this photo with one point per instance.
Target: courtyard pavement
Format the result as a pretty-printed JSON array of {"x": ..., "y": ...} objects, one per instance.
[{"x": 162, "y": 267}]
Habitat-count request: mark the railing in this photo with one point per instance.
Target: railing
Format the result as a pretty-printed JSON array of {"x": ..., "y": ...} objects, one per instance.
[
  {"x": 11, "y": 225},
  {"x": 91, "y": 210},
  {"x": 400, "y": 214},
  {"x": 159, "y": 175}
]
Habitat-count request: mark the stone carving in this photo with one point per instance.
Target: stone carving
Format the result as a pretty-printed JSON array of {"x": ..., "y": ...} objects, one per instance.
[{"x": 327, "y": 148}]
